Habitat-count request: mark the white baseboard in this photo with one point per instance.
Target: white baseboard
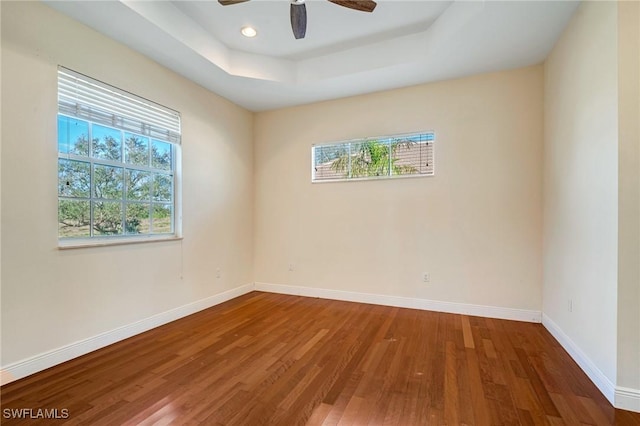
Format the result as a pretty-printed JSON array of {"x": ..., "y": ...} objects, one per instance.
[
  {"x": 20, "y": 369},
  {"x": 627, "y": 399},
  {"x": 406, "y": 302},
  {"x": 598, "y": 378}
]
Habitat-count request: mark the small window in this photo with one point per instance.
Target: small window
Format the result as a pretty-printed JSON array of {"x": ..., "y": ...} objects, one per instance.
[
  {"x": 373, "y": 158},
  {"x": 117, "y": 164}
]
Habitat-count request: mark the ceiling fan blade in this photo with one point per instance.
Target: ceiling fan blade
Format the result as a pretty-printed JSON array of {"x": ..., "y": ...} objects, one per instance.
[
  {"x": 298, "y": 13},
  {"x": 361, "y": 5},
  {"x": 229, "y": 2}
]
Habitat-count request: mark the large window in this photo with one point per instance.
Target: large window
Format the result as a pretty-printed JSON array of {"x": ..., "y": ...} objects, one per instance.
[
  {"x": 117, "y": 164},
  {"x": 373, "y": 158}
]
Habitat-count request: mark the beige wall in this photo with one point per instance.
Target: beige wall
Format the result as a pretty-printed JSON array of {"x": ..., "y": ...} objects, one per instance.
[
  {"x": 475, "y": 226},
  {"x": 629, "y": 196},
  {"x": 581, "y": 184},
  {"x": 52, "y": 298}
]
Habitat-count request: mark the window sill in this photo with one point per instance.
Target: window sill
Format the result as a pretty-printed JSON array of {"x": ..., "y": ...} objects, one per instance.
[
  {"x": 117, "y": 241},
  {"x": 384, "y": 177}
]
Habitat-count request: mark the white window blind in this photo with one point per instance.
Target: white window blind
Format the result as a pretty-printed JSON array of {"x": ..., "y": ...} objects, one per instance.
[
  {"x": 85, "y": 98},
  {"x": 371, "y": 158}
]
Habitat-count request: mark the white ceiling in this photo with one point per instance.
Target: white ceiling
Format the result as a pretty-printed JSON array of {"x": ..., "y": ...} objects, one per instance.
[
  {"x": 330, "y": 27},
  {"x": 344, "y": 53}
]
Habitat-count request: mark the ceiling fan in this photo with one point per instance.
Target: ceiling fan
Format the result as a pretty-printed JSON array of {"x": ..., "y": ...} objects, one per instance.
[{"x": 298, "y": 11}]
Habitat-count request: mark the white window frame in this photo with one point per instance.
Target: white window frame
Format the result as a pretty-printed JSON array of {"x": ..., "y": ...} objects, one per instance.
[
  {"x": 430, "y": 138},
  {"x": 89, "y": 100}
]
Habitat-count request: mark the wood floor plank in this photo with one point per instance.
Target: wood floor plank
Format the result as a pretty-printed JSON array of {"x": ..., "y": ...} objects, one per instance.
[
  {"x": 466, "y": 332},
  {"x": 565, "y": 409},
  {"x": 451, "y": 394},
  {"x": 319, "y": 414},
  {"x": 478, "y": 399},
  {"x": 537, "y": 385},
  {"x": 270, "y": 359}
]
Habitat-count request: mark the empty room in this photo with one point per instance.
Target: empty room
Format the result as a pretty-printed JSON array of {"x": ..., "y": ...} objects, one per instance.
[{"x": 320, "y": 212}]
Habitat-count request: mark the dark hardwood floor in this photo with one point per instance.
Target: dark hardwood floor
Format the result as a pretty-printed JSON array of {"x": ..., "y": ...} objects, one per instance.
[{"x": 269, "y": 359}]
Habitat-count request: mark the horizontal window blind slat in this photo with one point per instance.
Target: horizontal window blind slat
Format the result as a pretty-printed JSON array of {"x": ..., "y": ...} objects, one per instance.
[{"x": 82, "y": 97}]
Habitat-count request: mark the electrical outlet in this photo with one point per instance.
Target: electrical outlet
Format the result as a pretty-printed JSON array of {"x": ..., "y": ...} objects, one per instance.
[
  {"x": 291, "y": 267},
  {"x": 570, "y": 305},
  {"x": 426, "y": 277},
  {"x": 218, "y": 273}
]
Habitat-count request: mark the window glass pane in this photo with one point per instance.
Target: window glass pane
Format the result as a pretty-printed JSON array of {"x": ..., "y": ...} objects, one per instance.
[
  {"x": 74, "y": 178},
  {"x": 136, "y": 149},
  {"x": 162, "y": 218},
  {"x": 107, "y": 218},
  {"x": 108, "y": 182},
  {"x": 370, "y": 159},
  {"x": 160, "y": 155},
  {"x": 73, "y": 136},
  {"x": 137, "y": 219},
  {"x": 73, "y": 219},
  {"x": 138, "y": 185},
  {"x": 407, "y": 156},
  {"x": 163, "y": 188},
  {"x": 106, "y": 143},
  {"x": 331, "y": 161}
]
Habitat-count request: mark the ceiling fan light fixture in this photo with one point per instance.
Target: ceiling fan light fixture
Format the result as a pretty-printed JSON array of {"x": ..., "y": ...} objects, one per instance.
[{"x": 248, "y": 31}]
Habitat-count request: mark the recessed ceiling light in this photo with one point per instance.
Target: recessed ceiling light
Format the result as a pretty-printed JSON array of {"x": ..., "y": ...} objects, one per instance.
[{"x": 248, "y": 31}]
